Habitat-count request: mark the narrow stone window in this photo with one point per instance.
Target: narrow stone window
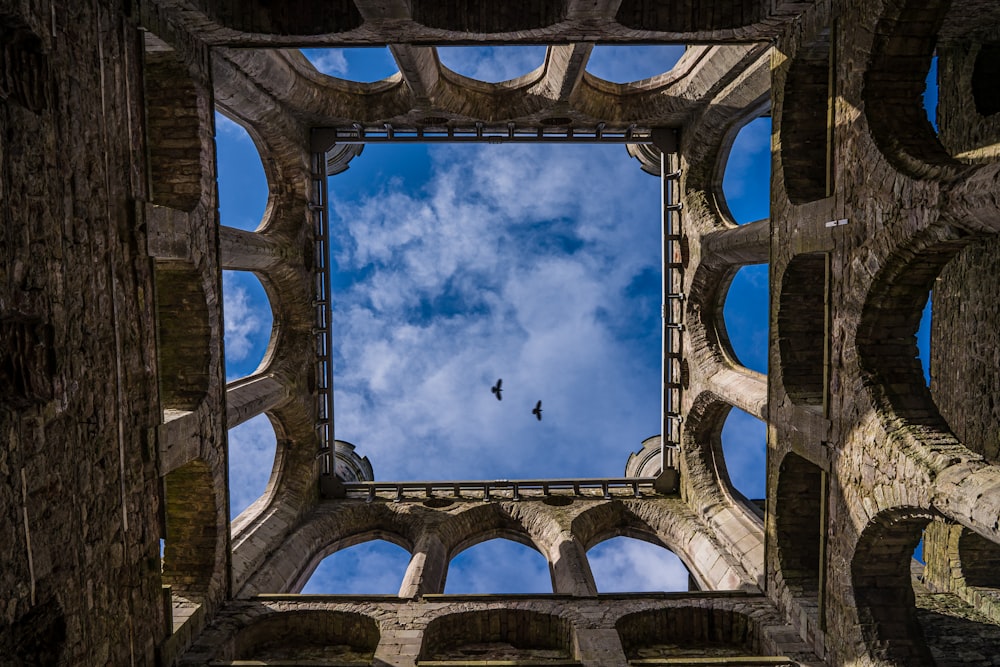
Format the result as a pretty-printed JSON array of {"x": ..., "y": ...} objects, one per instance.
[
  {"x": 746, "y": 181},
  {"x": 746, "y": 313},
  {"x": 625, "y": 64},
  {"x": 248, "y": 323},
  {"x": 744, "y": 445}
]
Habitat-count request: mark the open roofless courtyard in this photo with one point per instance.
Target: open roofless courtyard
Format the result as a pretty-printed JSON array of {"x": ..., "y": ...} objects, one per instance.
[{"x": 446, "y": 333}]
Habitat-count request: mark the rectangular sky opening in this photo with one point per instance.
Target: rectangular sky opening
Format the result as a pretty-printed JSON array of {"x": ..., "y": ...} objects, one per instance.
[{"x": 454, "y": 265}]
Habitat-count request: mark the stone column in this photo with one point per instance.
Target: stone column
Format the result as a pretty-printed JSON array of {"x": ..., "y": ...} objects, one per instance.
[
  {"x": 428, "y": 568},
  {"x": 247, "y": 251},
  {"x": 570, "y": 568}
]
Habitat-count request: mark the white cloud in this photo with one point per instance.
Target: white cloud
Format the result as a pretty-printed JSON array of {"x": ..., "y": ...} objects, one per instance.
[
  {"x": 370, "y": 568},
  {"x": 744, "y": 443},
  {"x": 525, "y": 282},
  {"x": 230, "y": 128},
  {"x": 247, "y": 322},
  {"x": 624, "y": 64},
  {"x": 251, "y": 457},
  {"x": 492, "y": 63},
  {"x": 332, "y": 62},
  {"x": 626, "y": 565}
]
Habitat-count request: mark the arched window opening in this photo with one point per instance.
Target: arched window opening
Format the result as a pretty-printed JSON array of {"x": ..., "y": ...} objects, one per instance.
[
  {"x": 883, "y": 590},
  {"x": 963, "y": 338},
  {"x": 746, "y": 312},
  {"x": 492, "y": 64},
  {"x": 243, "y": 188},
  {"x": 252, "y": 447},
  {"x": 744, "y": 445},
  {"x": 746, "y": 181},
  {"x": 930, "y": 96},
  {"x": 802, "y": 329},
  {"x": 359, "y": 64},
  {"x": 498, "y": 566},
  {"x": 628, "y": 565},
  {"x": 799, "y": 525},
  {"x": 985, "y": 75},
  {"x": 248, "y": 322},
  {"x": 924, "y": 339},
  {"x": 980, "y": 560},
  {"x": 625, "y": 64},
  {"x": 370, "y": 568}
]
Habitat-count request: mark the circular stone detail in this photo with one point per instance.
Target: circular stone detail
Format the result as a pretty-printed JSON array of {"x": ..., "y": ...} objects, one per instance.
[
  {"x": 558, "y": 501},
  {"x": 438, "y": 503}
]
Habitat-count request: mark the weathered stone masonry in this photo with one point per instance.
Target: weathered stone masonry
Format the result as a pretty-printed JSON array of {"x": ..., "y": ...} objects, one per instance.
[{"x": 114, "y": 405}]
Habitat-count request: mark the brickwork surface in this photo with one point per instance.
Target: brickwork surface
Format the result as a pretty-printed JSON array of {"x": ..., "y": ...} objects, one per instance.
[{"x": 79, "y": 486}]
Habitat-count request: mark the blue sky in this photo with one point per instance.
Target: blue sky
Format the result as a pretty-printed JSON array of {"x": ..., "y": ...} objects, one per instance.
[{"x": 459, "y": 264}]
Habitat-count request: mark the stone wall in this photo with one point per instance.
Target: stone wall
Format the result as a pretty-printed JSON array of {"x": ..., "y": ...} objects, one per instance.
[{"x": 79, "y": 486}]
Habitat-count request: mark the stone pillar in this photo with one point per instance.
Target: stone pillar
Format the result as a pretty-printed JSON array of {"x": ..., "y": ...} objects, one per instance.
[
  {"x": 570, "y": 568},
  {"x": 599, "y": 648},
  {"x": 427, "y": 570},
  {"x": 252, "y": 396},
  {"x": 247, "y": 251}
]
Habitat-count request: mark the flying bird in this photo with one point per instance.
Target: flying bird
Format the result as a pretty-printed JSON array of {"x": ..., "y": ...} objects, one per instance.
[
  {"x": 497, "y": 388},
  {"x": 538, "y": 410}
]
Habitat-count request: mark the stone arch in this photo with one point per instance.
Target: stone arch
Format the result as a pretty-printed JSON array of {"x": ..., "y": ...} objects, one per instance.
[
  {"x": 330, "y": 635},
  {"x": 644, "y": 556},
  {"x": 708, "y": 291},
  {"x": 886, "y": 336},
  {"x": 798, "y": 516},
  {"x": 174, "y": 131},
  {"x": 726, "y": 631},
  {"x": 979, "y": 560},
  {"x": 730, "y": 139},
  {"x": 494, "y": 16},
  {"x": 368, "y": 534},
  {"x": 193, "y": 542},
  {"x": 301, "y": 17},
  {"x": 480, "y": 523},
  {"x": 960, "y": 560},
  {"x": 702, "y": 438},
  {"x": 238, "y": 288},
  {"x": 894, "y": 81},
  {"x": 184, "y": 336},
  {"x": 608, "y": 520},
  {"x": 373, "y": 545},
  {"x": 329, "y": 528},
  {"x": 806, "y": 169},
  {"x": 801, "y": 329},
  {"x": 883, "y": 591},
  {"x": 682, "y": 16},
  {"x": 502, "y": 634}
]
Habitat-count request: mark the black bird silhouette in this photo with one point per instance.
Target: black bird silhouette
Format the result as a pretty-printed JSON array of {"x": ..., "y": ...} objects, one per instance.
[
  {"x": 497, "y": 388},
  {"x": 538, "y": 410}
]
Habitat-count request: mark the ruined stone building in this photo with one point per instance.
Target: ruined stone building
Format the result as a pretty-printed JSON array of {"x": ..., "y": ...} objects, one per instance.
[{"x": 114, "y": 406}]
